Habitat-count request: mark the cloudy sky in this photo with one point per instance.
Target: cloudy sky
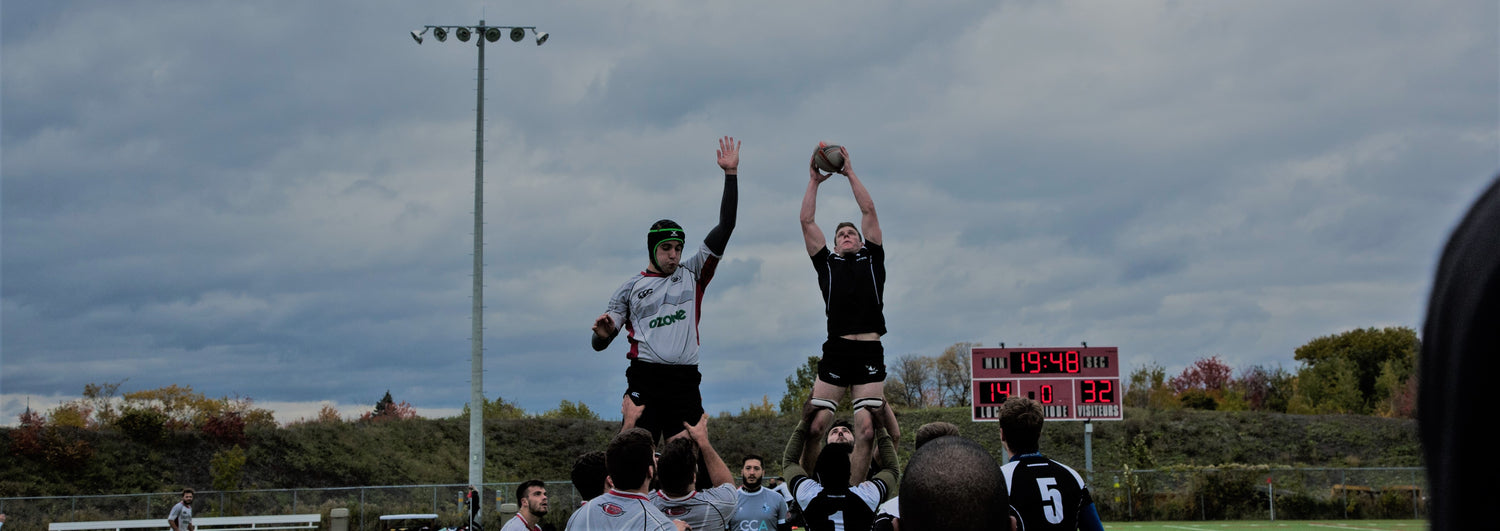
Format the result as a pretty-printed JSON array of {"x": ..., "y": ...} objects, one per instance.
[{"x": 274, "y": 199}]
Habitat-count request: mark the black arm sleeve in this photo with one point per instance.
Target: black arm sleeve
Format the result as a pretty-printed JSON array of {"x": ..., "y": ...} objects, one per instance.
[
  {"x": 719, "y": 236},
  {"x": 600, "y": 343}
]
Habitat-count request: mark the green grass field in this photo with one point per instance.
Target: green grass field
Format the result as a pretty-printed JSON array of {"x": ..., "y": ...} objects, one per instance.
[{"x": 1289, "y": 525}]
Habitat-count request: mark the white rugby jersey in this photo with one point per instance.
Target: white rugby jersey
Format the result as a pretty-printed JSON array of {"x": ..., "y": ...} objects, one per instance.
[
  {"x": 661, "y": 312},
  {"x": 704, "y": 509},
  {"x": 620, "y": 511}
]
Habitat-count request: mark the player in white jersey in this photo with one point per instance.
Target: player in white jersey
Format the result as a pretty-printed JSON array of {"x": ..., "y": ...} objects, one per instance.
[
  {"x": 1044, "y": 494},
  {"x": 627, "y": 506},
  {"x": 660, "y": 309},
  {"x": 531, "y": 495},
  {"x": 758, "y": 508},
  {"x": 677, "y": 473}
]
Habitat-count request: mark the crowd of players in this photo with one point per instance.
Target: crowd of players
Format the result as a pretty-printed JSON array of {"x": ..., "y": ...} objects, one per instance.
[{"x": 949, "y": 483}]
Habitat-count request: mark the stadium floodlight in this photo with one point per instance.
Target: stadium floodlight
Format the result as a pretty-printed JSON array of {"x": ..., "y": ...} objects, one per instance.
[
  {"x": 541, "y": 36},
  {"x": 476, "y": 320}
]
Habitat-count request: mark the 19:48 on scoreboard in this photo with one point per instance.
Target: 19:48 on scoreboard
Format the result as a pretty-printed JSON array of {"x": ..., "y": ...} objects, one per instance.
[{"x": 1071, "y": 383}]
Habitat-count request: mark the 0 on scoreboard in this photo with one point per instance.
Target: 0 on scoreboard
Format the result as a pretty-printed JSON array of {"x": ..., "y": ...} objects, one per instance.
[{"x": 1071, "y": 383}]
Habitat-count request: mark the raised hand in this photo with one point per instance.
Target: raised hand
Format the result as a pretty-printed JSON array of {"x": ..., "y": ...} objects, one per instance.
[{"x": 729, "y": 154}]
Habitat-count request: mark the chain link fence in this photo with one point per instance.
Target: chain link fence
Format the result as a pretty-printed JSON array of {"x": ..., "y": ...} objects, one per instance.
[
  {"x": 1224, "y": 493},
  {"x": 365, "y": 505},
  {"x": 1260, "y": 493}
]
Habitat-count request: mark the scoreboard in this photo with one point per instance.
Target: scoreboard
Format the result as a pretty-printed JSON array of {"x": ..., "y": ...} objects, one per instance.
[{"x": 1070, "y": 383}]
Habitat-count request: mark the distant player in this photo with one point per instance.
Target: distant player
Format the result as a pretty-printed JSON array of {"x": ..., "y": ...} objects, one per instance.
[
  {"x": 531, "y": 495},
  {"x": 1044, "y": 494},
  {"x": 660, "y": 308},
  {"x": 852, "y": 279},
  {"x": 181, "y": 516},
  {"x": 758, "y": 508}
]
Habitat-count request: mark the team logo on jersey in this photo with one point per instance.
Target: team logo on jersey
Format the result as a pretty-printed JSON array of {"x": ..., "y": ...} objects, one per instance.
[
  {"x": 611, "y": 509},
  {"x": 675, "y": 511},
  {"x": 666, "y": 320},
  {"x": 644, "y": 293}
]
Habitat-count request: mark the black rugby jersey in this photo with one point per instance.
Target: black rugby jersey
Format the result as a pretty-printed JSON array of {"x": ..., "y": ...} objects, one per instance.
[
  {"x": 853, "y": 289},
  {"x": 1044, "y": 494}
]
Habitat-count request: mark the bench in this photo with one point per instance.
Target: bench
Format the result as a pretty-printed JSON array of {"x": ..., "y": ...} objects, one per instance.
[{"x": 216, "y": 523}]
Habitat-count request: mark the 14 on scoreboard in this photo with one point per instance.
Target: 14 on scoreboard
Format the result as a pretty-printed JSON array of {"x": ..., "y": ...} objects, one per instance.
[{"x": 1081, "y": 383}]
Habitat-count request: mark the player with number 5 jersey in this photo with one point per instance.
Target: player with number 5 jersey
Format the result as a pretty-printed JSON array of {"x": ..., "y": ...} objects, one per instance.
[{"x": 1044, "y": 494}]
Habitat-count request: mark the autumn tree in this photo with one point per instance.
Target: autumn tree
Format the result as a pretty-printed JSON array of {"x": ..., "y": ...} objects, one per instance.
[
  {"x": 954, "y": 372},
  {"x": 1147, "y": 388},
  {"x": 388, "y": 409},
  {"x": 908, "y": 380},
  {"x": 567, "y": 409},
  {"x": 1342, "y": 372}
]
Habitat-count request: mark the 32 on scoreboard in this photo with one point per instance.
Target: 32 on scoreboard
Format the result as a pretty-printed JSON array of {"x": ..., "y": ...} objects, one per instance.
[{"x": 1071, "y": 383}]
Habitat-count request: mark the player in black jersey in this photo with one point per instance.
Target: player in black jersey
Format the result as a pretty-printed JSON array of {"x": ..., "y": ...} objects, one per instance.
[
  {"x": 852, "y": 280},
  {"x": 828, "y": 500},
  {"x": 1044, "y": 494}
]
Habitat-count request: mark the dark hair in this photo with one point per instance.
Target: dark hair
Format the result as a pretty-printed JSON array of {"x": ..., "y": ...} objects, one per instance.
[
  {"x": 952, "y": 483},
  {"x": 187, "y": 491},
  {"x": 748, "y": 457},
  {"x": 588, "y": 474},
  {"x": 832, "y": 468},
  {"x": 677, "y": 465},
  {"x": 843, "y": 224},
  {"x": 525, "y": 486},
  {"x": 1021, "y": 424},
  {"x": 933, "y": 430},
  {"x": 629, "y": 458},
  {"x": 841, "y": 422}
]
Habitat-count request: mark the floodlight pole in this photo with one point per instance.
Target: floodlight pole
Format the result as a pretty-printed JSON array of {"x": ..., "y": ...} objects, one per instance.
[
  {"x": 481, "y": 33},
  {"x": 476, "y": 338}
]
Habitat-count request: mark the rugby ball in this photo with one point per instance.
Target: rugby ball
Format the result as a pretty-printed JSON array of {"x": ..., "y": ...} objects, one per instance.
[{"x": 829, "y": 158}]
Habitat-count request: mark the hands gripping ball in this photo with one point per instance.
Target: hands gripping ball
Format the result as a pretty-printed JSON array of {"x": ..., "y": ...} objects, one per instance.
[{"x": 829, "y": 158}]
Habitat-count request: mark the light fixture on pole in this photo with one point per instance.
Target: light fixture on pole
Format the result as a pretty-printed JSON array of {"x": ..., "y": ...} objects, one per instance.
[{"x": 476, "y": 338}]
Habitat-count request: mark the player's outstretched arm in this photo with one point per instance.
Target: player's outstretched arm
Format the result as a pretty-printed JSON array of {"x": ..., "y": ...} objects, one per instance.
[
  {"x": 868, "y": 221},
  {"x": 604, "y": 332},
  {"x": 811, "y": 234},
  {"x": 729, "y": 161},
  {"x": 718, "y": 472}
]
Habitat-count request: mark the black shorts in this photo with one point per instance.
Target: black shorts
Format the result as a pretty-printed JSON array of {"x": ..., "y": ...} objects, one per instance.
[
  {"x": 669, "y": 393},
  {"x": 847, "y": 362}
]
